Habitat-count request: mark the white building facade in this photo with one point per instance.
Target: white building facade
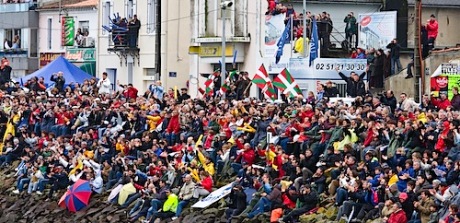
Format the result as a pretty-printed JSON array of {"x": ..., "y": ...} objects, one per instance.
[
  {"x": 50, "y": 39},
  {"x": 124, "y": 64}
]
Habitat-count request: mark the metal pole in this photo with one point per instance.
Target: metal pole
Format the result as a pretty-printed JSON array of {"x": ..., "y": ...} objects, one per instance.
[
  {"x": 222, "y": 69},
  {"x": 304, "y": 28},
  {"x": 292, "y": 33},
  {"x": 417, "y": 62}
]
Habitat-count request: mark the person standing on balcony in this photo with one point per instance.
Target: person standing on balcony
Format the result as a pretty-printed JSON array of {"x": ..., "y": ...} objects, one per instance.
[
  {"x": 133, "y": 26},
  {"x": 432, "y": 28},
  {"x": 5, "y": 71},
  {"x": 351, "y": 29},
  {"x": 395, "y": 49}
]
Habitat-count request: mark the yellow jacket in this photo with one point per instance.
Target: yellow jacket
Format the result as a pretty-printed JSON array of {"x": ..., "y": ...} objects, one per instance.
[
  {"x": 393, "y": 180},
  {"x": 152, "y": 121},
  {"x": 298, "y": 46},
  {"x": 10, "y": 126},
  {"x": 208, "y": 167}
]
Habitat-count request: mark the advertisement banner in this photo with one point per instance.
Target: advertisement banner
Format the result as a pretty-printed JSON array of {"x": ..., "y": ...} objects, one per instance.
[
  {"x": 214, "y": 196},
  {"x": 445, "y": 81},
  {"x": 80, "y": 54},
  {"x": 377, "y": 29},
  {"x": 46, "y": 58},
  {"x": 274, "y": 27},
  {"x": 325, "y": 68},
  {"x": 298, "y": 67},
  {"x": 67, "y": 31}
]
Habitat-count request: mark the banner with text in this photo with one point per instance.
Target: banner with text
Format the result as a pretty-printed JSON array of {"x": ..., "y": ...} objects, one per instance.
[
  {"x": 214, "y": 196},
  {"x": 274, "y": 27},
  {"x": 68, "y": 31},
  {"x": 377, "y": 29},
  {"x": 445, "y": 81}
]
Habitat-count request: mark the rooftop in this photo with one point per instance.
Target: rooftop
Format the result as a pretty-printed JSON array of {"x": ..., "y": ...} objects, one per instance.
[{"x": 71, "y": 4}]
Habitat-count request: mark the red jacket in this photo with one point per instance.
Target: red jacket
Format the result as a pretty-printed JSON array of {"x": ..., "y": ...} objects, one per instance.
[
  {"x": 207, "y": 183},
  {"x": 247, "y": 156},
  {"x": 432, "y": 28},
  {"x": 173, "y": 125},
  {"x": 441, "y": 104},
  {"x": 131, "y": 93},
  {"x": 398, "y": 217}
]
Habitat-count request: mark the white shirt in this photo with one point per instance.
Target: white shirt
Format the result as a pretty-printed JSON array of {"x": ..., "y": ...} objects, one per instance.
[{"x": 104, "y": 86}]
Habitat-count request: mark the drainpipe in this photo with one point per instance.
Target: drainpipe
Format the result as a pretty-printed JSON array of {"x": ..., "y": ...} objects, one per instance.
[{"x": 158, "y": 40}]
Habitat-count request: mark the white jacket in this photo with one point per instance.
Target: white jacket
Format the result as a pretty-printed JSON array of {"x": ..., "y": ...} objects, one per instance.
[{"x": 105, "y": 86}]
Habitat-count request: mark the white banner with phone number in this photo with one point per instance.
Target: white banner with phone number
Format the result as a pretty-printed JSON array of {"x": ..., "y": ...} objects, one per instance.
[{"x": 326, "y": 67}]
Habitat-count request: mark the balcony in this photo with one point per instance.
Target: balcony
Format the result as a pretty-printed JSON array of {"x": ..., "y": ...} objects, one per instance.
[
  {"x": 14, "y": 53},
  {"x": 119, "y": 43},
  {"x": 17, "y": 7}
]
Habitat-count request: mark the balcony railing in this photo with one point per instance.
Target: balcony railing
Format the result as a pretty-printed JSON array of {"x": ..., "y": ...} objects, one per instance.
[
  {"x": 17, "y": 7},
  {"x": 122, "y": 40},
  {"x": 14, "y": 53}
]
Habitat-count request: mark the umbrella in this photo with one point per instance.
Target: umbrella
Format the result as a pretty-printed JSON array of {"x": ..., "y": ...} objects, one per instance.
[
  {"x": 77, "y": 196},
  {"x": 125, "y": 191}
]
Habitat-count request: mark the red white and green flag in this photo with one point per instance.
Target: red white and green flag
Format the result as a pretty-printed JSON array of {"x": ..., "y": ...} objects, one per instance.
[
  {"x": 262, "y": 81},
  {"x": 286, "y": 83},
  {"x": 209, "y": 85},
  {"x": 226, "y": 86}
]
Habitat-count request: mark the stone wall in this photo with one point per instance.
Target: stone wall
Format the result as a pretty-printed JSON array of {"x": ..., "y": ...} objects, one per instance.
[{"x": 399, "y": 84}]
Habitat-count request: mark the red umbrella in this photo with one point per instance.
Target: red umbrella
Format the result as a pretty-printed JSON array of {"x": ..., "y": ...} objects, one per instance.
[{"x": 77, "y": 196}]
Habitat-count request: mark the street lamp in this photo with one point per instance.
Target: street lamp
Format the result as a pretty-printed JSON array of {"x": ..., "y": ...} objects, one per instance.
[{"x": 223, "y": 5}]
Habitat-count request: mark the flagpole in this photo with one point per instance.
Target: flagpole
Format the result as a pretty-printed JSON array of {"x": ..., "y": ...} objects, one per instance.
[
  {"x": 292, "y": 32},
  {"x": 304, "y": 28}
]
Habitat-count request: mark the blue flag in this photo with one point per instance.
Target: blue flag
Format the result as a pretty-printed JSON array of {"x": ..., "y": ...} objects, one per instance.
[
  {"x": 314, "y": 41},
  {"x": 284, "y": 38}
]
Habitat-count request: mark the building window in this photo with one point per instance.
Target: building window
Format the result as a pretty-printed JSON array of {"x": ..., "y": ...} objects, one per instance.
[
  {"x": 84, "y": 26},
  {"x": 50, "y": 32},
  {"x": 151, "y": 16},
  {"x": 130, "y": 8},
  {"x": 106, "y": 14},
  {"x": 228, "y": 67},
  {"x": 13, "y": 36},
  {"x": 33, "y": 43}
]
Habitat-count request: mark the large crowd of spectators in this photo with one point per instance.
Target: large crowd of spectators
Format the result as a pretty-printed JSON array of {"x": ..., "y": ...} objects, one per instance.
[{"x": 375, "y": 158}]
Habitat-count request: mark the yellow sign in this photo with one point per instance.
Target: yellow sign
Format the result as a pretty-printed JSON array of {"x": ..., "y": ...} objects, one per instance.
[{"x": 211, "y": 51}]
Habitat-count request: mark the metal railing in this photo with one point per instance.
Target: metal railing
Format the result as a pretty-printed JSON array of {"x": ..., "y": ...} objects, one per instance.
[
  {"x": 123, "y": 40},
  {"x": 22, "y": 52}
]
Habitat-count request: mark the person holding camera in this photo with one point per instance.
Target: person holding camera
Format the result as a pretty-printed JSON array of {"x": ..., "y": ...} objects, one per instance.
[
  {"x": 59, "y": 80},
  {"x": 237, "y": 203}
]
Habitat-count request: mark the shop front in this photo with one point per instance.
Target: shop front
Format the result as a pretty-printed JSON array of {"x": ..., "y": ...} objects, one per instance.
[{"x": 84, "y": 58}]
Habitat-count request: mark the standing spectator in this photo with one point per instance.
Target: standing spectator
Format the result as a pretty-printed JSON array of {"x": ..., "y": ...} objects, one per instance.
[
  {"x": 377, "y": 73},
  {"x": 104, "y": 84},
  {"x": 242, "y": 85},
  {"x": 355, "y": 84},
  {"x": 157, "y": 90},
  {"x": 238, "y": 204},
  {"x": 351, "y": 29},
  {"x": 455, "y": 101},
  {"x": 441, "y": 103},
  {"x": 131, "y": 92},
  {"x": 395, "y": 53},
  {"x": 324, "y": 32},
  {"x": 134, "y": 25},
  {"x": 432, "y": 28},
  {"x": 59, "y": 81},
  {"x": 330, "y": 90},
  {"x": 5, "y": 71}
]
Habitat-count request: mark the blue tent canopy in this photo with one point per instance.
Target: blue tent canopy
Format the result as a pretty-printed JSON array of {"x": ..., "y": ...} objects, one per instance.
[{"x": 70, "y": 72}]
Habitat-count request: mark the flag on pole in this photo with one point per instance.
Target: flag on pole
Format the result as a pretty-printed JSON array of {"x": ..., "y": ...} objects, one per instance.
[
  {"x": 235, "y": 53},
  {"x": 262, "y": 81},
  {"x": 209, "y": 85},
  {"x": 285, "y": 82},
  {"x": 226, "y": 86},
  {"x": 314, "y": 43},
  {"x": 284, "y": 37}
]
